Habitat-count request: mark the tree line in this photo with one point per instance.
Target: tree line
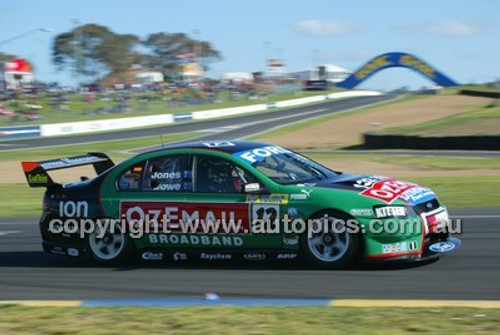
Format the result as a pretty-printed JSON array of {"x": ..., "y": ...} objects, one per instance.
[{"x": 93, "y": 51}]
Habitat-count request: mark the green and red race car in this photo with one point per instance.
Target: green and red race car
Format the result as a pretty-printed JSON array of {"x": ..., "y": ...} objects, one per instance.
[{"x": 235, "y": 200}]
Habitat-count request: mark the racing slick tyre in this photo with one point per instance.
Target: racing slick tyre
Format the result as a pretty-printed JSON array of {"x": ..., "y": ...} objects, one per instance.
[
  {"x": 113, "y": 247},
  {"x": 330, "y": 248}
]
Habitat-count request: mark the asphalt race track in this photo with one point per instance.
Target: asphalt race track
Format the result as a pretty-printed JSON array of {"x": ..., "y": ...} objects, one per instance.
[
  {"x": 470, "y": 273},
  {"x": 233, "y": 127},
  {"x": 26, "y": 273}
]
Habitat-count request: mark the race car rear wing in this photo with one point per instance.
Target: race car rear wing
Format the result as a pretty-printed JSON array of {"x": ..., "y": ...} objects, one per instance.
[{"x": 36, "y": 172}]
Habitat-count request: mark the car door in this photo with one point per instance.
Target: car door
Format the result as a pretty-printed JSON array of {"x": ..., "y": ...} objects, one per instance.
[
  {"x": 149, "y": 197},
  {"x": 219, "y": 193}
]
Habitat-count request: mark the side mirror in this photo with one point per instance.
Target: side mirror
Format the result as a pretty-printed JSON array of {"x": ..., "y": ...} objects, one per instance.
[{"x": 252, "y": 188}]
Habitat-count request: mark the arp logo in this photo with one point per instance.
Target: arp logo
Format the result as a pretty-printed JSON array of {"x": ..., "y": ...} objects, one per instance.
[{"x": 254, "y": 257}]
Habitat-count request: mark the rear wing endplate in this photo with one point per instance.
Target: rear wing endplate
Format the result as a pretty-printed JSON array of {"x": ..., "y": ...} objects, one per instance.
[{"x": 36, "y": 172}]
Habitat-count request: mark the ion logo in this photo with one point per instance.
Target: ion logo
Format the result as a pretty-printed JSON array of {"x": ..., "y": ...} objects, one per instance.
[
  {"x": 71, "y": 209},
  {"x": 442, "y": 247}
]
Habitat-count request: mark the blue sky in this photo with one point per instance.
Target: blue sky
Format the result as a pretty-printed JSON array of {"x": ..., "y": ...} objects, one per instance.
[{"x": 461, "y": 38}]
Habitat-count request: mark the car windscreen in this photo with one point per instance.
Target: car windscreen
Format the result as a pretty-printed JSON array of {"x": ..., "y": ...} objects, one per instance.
[{"x": 286, "y": 167}]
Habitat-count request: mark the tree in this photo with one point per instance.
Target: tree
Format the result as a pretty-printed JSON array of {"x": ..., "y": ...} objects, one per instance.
[
  {"x": 92, "y": 49},
  {"x": 117, "y": 52},
  {"x": 165, "y": 49}
]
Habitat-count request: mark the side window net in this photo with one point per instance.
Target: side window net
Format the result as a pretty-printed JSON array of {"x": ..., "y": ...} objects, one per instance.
[
  {"x": 167, "y": 174},
  {"x": 217, "y": 175}
]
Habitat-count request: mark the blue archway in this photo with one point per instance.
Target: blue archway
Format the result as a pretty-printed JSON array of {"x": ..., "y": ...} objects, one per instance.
[{"x": 396, "y": 59}]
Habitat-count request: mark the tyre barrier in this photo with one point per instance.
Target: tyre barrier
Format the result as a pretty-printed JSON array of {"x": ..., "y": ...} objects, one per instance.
[
  {"x": 494, "y": 95},
  {"x": 374, "y": 141}
]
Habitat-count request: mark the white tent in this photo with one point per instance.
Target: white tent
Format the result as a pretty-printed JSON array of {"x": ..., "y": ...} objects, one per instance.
[
  {"x": 150, "y": 77},
  {"x": 237, "y": 76},
  {"x": 329, "y": 72}
]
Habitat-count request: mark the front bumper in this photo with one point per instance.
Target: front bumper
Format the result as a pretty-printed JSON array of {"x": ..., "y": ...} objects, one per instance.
[
  {"x": 426, "y": 254},
  {"x": 428, "y": 239}
]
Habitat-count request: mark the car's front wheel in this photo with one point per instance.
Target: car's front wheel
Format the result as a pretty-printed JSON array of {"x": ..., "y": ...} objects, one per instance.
[
  {"x": 112, "y": 246},
  {"x": 333, "y": 246}
]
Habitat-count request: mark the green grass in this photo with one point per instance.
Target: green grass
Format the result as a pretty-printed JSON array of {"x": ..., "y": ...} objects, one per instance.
[
  {"x": 457, "y": 192},
  {"x": 19, "y": 200},
  {"x": 112, "y": 148},
  {"x": 77, "y": 108},
  {"x": 318, "y": 120},
  {"x": 464, "y": 122},
  {"x": 454, "y": 192},
  {"x": 414, "y": 162},
  {"x": 247, "y": 320}
]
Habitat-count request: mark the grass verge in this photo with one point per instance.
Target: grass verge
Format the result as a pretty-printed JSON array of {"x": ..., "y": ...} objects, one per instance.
[
  {"x": 478, "y": 120},
  {"x": 318, "y": 120},
  {"x": 456, "y": 192},
  {"x": 413, "y": 162},
  {"x": 247, "y": 320},
  {"x": 109, "y": 147}
]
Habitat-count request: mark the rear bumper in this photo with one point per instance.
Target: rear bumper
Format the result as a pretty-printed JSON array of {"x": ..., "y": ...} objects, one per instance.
[
  {"x": 62, "y": 249},
  {"x": 60, "y": 244}
]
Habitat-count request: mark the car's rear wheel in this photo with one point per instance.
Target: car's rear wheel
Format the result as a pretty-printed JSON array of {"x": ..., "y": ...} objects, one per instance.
[
  {"x": 113, "y": 246},
  {"x": 331, "y": 248}
]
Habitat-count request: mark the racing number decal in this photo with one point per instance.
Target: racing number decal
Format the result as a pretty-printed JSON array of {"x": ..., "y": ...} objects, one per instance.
[
  {"x": 269, "y": 214},
  {"x": 387, "y": 190}
]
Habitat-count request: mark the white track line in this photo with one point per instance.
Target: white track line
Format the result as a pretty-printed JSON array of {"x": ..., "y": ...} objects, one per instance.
[
  {"x": 479, "y": 216},
  {"x": 6, "y": 232},
  {"x": 18, "y": 223}
]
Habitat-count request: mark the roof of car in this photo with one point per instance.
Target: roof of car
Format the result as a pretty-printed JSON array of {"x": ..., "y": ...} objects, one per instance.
[{"x": 227, "y": 146}]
